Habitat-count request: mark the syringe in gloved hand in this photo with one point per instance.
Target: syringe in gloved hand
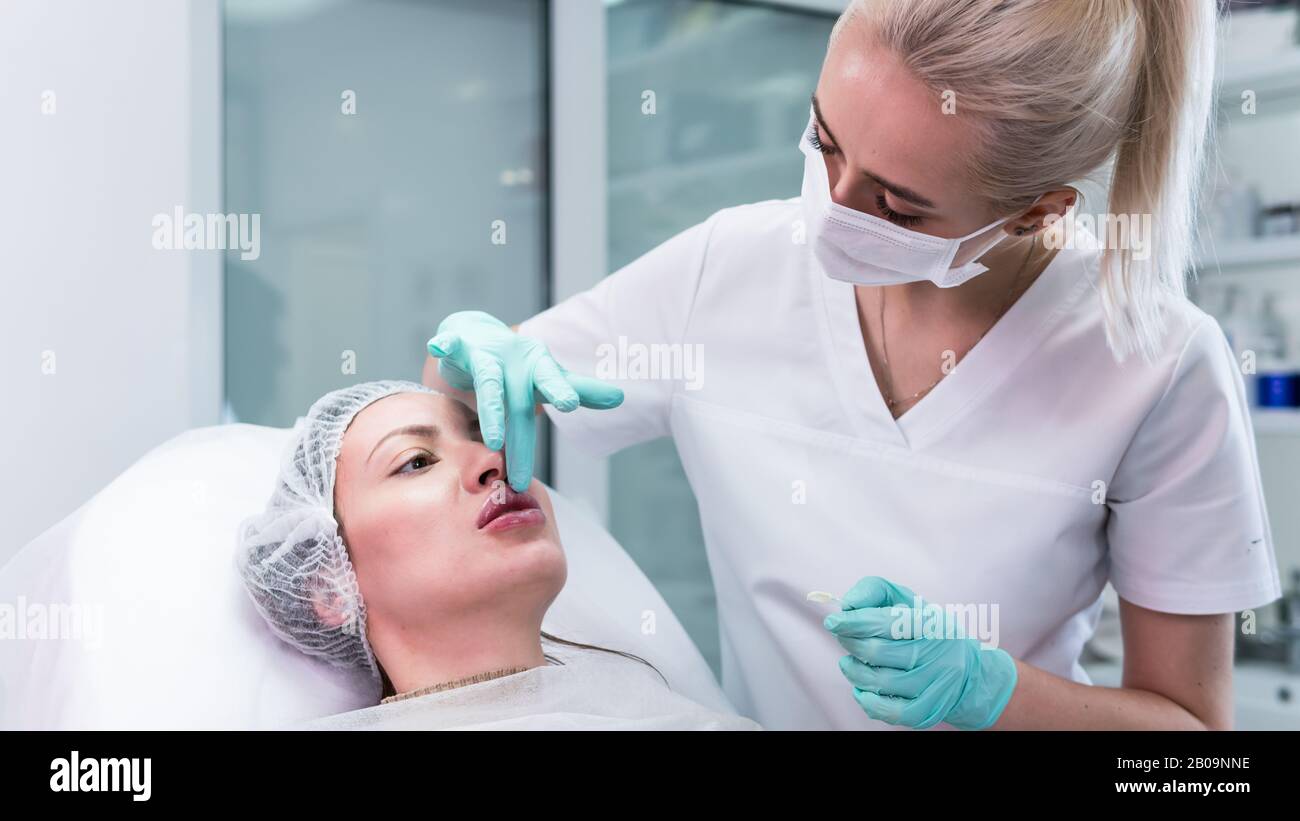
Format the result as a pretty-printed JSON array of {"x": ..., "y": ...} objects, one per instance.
[{"x": 822, "y": 597}]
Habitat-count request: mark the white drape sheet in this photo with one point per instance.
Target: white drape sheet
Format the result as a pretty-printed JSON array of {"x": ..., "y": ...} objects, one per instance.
[{"x": 592, "y": 690}]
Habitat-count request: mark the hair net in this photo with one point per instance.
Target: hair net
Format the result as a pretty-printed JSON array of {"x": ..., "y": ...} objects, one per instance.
[{"x": 291, "y": 554}]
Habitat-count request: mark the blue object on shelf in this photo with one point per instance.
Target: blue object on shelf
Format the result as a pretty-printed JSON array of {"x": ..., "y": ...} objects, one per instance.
[{"x": 1277, "y": 389}]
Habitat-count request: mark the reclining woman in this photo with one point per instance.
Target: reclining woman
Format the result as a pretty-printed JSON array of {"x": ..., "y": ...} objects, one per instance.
[{"x": 393, "y": 544}]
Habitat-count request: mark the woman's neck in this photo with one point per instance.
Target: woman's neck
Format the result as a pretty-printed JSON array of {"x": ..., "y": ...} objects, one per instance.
[
  {"x": 1013, "y": 266},
  {"x": 427, "y": 660},
  {"x": 927, "y": 325}
]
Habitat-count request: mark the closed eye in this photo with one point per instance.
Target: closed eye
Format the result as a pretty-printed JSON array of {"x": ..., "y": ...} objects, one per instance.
[
  {"x": 818, "y": 144},
  {"x": 894, "y": 216},
  {"x": 906, "y": 220}
]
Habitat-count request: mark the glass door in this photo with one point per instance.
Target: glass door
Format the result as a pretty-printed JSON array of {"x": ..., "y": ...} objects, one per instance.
[{"x": 395, "y": 153}]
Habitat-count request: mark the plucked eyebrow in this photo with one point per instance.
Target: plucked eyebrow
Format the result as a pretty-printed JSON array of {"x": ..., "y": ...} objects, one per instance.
[
  {"x": 897, "y": 190},
  {"x": 425, "y": 431}
]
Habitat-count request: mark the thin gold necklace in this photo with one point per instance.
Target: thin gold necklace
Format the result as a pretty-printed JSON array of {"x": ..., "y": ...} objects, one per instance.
[
  {"x": 884, "y": 347},
  {"x": 451, "y": 685}
]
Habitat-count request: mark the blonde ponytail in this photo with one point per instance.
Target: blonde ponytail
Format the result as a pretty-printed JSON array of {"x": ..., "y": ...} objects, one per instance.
[{"x": 1159, "y": 167}]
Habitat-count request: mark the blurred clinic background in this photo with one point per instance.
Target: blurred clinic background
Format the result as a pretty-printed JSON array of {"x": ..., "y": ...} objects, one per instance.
[{"x": 375, "y": 223}]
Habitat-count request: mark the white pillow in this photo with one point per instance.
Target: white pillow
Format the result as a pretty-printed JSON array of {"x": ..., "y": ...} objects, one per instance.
[{"x": 170, "y": 639}]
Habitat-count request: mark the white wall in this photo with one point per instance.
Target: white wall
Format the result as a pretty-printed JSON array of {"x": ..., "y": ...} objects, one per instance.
[{"x": 135, "y": 332}]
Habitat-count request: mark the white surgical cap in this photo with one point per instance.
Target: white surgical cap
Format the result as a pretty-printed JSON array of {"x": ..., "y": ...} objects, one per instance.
[{"x": 291, "y": 554}]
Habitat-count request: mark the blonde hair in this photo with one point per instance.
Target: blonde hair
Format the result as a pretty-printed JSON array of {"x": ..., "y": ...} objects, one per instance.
[{"x": 1066, "y": 90}]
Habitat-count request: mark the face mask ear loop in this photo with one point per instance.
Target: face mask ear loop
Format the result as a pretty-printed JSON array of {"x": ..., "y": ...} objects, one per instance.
[{"x": 993, "y": 242}]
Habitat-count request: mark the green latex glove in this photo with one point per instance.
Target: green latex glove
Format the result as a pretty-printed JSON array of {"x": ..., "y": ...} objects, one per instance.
[
  {"x": 509, "y": 375},
  {"x": 927, "y": 676}
]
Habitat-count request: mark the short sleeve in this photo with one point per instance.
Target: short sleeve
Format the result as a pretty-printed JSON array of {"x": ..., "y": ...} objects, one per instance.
[
  {"x": 602, "y": 331},
  {"x": 1188, "y": 530}
]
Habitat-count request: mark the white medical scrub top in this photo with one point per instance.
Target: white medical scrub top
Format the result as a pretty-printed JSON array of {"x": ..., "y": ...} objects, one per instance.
[{"x": 1035, "y": 472}]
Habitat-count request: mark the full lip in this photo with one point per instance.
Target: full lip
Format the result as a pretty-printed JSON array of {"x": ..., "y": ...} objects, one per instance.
[{"x": 504, "y": 499}]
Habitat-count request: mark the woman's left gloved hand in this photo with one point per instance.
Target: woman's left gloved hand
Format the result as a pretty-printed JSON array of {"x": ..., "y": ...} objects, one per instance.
[
  {"x": 509, "y": 373},
  {"x": 923, "y": 677}
]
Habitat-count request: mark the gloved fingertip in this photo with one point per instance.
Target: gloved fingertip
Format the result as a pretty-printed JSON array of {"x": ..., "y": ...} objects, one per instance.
[
  {"x": 519, "y": 471},
  {"x": 559, "y": 394}
]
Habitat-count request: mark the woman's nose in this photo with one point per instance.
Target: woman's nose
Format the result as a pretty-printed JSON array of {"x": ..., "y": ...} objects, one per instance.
[
  {"x": 832, "y": 177},
  {"x": 843, "y": 191},
  {"x": 854, "y": 194},
  {"x": 483, "y": 467}
]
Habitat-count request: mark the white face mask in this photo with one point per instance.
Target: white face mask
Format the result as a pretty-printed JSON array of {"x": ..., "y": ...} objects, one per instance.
[{"x": 867, "y": 250}]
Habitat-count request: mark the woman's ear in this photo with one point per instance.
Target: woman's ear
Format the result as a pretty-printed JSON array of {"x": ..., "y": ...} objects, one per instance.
[{"x": 329, "y": 606}]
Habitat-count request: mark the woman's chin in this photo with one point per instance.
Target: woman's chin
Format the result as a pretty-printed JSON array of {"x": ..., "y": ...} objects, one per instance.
[{"x": 542, "y": 561}]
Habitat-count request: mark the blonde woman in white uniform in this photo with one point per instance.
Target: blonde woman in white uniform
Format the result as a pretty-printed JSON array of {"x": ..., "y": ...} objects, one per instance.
[{"x": 1094, "y": 429}]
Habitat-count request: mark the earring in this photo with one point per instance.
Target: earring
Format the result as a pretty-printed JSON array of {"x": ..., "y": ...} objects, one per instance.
[{"x": 1031, "y": 229}]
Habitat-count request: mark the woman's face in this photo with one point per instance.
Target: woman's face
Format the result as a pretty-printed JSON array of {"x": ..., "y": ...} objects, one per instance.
[
  {"x": 419, "y": 500},
  {"x": 890, "y": 149}
]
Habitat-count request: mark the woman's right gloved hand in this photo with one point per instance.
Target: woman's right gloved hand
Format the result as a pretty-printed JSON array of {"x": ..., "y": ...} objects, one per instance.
[{"x": 509, "y": 374}]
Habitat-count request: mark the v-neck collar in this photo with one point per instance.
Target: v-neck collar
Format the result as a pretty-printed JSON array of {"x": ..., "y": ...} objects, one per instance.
[{"x": 1013, "y": 337}]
